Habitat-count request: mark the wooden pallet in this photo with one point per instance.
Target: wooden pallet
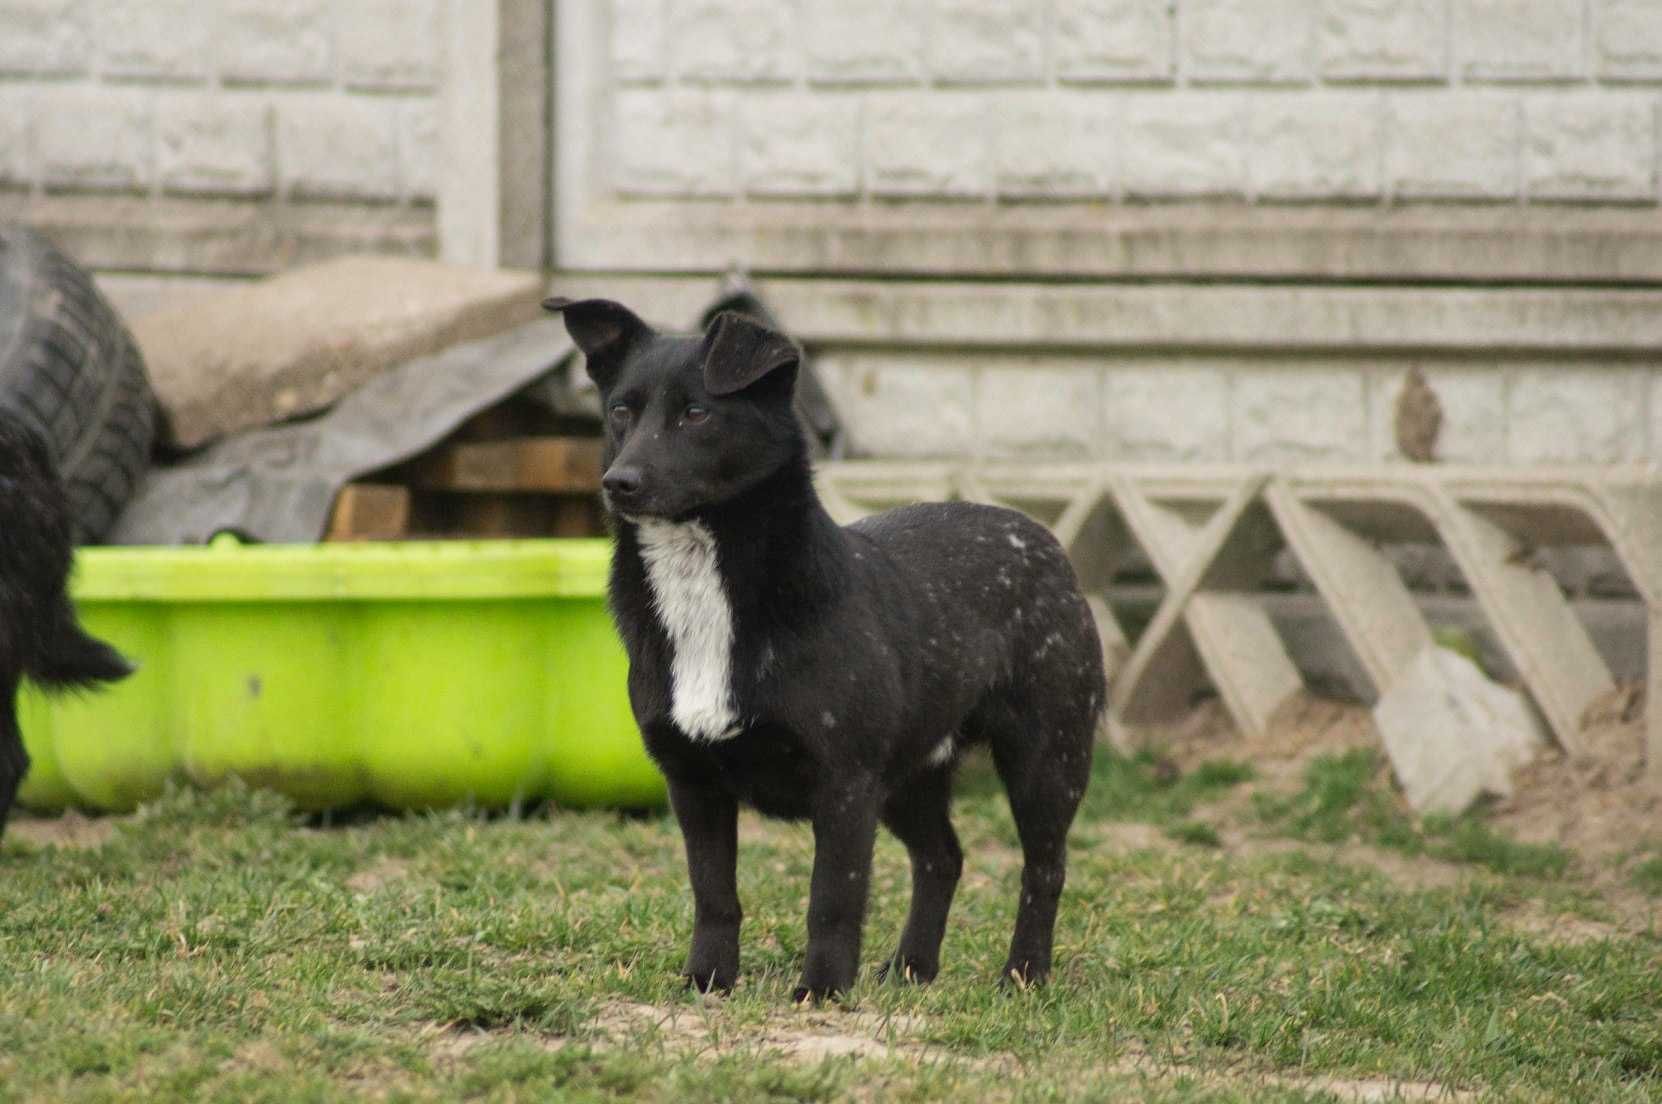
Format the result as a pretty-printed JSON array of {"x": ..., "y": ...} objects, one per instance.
[
  {"x": 515, "y": 487},
  {"x": 370, "y": 511}
]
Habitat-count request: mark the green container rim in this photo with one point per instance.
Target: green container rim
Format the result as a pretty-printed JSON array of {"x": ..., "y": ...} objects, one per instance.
[{"x": 228, "y": 571}]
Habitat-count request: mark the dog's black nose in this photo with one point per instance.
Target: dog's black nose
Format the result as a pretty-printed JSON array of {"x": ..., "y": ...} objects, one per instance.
[{"x": 622, "y": 482}]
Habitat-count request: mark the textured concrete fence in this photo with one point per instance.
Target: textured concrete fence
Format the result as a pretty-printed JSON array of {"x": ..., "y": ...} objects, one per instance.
[
  {"x": 1108, "y": 99},
  {"x": 1026, "y": 136},
  {"x": 1212, "y": 536},
  {"x": 1113, "y": 137},
  {"x": 143, "y": 134},
  {"x": 1180, "y": 372}
]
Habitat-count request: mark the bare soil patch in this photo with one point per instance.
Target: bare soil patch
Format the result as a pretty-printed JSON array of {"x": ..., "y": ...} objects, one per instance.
[
  {"x": 812, "y": 1035},
  {"x": 1599, "y": 805},
  {"x": 1116, "y": 837},
  {"x": 1306, "y": 726},
  {"x": 382, "y": 871},
  {"x": 70, "y": 830},
  {"x": 1532, "y": 918},
  {"x": 809, "y": 1035}
]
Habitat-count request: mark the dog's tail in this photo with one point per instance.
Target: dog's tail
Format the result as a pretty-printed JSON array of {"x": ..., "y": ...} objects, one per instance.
[{"x": 71, "y": 659}]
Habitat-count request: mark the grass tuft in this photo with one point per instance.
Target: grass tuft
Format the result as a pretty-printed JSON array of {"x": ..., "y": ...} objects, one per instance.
[
  {"x": 1647, "y": 875},
  {"x": 1194, "y": 832},
  {"x": 1348, "y": 797},
  {"x": 1469, "y": 839},
  {"x": 1146, "y": 788}
]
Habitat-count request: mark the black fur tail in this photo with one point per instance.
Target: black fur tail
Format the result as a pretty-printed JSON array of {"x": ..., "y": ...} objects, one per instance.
[{"x": 72, "y": 659}]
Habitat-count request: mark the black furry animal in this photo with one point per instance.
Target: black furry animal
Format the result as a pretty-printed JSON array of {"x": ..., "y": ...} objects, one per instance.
[
  {"x": 818, "y": 672},
  {"x": 39, "y": 637}
]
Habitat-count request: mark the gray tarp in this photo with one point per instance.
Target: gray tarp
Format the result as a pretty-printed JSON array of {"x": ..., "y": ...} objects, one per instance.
[{"x": 279, "y": 484}]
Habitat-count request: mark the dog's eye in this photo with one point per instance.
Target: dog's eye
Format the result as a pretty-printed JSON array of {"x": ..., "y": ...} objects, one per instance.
[
  {"x": 695, "y": 414},
  {"x": 620, "y": 416}
]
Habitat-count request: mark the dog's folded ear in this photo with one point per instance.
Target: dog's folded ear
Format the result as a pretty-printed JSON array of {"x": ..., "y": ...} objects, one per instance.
[
  {"x": 604, "y": 330},
  {"x": 740, "y": 352}
]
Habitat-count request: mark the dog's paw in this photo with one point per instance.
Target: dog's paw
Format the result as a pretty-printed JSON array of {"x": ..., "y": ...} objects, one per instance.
[
  {"x": 908, "y": 970},
  {"x": 710, "y": 981},
  {"x": 1021, "y": 976},
  {"x": 712, "y": 965},
  {"x": 807, "y": 996},
  {"x": 820, "y": 986},
  {"x": 711, "y": 974}
]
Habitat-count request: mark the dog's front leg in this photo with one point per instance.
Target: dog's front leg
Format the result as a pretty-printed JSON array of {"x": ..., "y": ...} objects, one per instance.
[
  {"x": 845, "y": 829},
  {"x": 710, "y": 825}
]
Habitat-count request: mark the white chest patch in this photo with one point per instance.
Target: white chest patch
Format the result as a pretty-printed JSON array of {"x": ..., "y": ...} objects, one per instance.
[{"x": 680, "y": 560}]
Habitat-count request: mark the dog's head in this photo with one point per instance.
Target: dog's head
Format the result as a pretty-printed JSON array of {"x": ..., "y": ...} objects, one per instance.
[{"x": 691, "y": 421}]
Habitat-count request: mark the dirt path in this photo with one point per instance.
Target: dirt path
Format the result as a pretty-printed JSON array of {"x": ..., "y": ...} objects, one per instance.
[
  {"x": 70, "y": 830},
  {"x": 704, "y": 1031}
]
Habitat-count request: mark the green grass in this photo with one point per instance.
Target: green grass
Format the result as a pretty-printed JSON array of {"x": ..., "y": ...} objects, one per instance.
[
  {"x": 1339, "y": 801},
  {"x": 1345, "y": 797},
  {"x": 1647, "y": 875},
  {"x": 217, "y": 947},
  {"x": 1195, "y": 832}
]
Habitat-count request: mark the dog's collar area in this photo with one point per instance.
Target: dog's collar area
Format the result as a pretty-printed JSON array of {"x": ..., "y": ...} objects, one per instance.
[{"x": 643, "y": 520}]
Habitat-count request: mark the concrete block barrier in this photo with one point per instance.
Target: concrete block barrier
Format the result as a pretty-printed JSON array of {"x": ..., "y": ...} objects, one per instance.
[{"x": 1212, "y": 535}]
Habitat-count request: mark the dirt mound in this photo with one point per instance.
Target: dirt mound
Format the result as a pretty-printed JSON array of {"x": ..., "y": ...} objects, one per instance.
[
  {"x": 1600, "y": 803},
  {"x": 1304, "y": 727}
]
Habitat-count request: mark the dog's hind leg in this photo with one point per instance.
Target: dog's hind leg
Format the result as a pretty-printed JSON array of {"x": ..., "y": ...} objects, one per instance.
[
  {"x": 14, "y": 761},
  {"x": 918, "y": 817},
  {"x": 1043, "y": 756}
]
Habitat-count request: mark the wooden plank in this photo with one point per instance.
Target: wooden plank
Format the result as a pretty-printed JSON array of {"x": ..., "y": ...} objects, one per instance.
[
  {"x": 505, "y": 516},
  {"x": 526, "y": 464},
  {"x": 370, "y": 511},
  {"x": 577, "y": 516},
  {"x": 494, "y": 423},
  {"x": 518, "y": 516}
]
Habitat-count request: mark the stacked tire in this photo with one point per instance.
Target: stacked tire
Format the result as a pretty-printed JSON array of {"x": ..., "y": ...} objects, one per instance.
[{"x": 69, "y": 367}]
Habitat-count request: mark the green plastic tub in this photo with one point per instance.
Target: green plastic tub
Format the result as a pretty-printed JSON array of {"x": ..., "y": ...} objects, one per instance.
[{"x": 414, "y": 675}]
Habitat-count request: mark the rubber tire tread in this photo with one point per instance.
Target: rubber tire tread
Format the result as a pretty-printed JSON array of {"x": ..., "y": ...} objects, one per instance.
[{"x": 74, "y": 371}]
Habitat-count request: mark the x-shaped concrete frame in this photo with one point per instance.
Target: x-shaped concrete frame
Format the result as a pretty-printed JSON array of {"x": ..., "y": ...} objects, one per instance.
[{"x": 1211, "y": 534}]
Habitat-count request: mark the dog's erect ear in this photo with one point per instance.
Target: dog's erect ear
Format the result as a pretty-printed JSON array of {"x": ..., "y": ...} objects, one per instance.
[
  {"x": 739, "y": 352},
  {"x": 604, "y": 330}
]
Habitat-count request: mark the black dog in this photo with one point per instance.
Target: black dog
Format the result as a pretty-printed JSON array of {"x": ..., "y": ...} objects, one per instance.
[
  {"x": 39, "y": 637},
  {"x": 833, "y": 674}
]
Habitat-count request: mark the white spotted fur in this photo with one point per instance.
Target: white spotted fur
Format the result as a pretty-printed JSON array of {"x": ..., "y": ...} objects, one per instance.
[
  {"x": 942, "y": 753},
  {"x": 687, "y": 592}
]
